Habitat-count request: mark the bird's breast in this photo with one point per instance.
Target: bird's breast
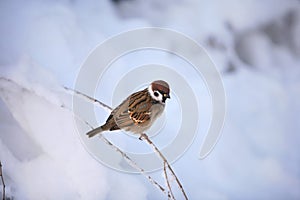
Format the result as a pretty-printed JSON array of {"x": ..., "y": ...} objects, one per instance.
[{"x": 156, "y": 110}]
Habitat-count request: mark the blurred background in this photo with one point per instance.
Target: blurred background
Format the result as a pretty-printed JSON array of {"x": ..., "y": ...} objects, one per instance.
[{"x": 254, "y": 44}]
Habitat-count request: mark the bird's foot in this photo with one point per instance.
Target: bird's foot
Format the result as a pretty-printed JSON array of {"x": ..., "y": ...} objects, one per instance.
[{"x": 143, "y": 136}]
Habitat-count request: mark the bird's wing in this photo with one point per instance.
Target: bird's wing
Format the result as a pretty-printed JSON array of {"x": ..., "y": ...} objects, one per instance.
[
  {"x": 139, "y": 108},
  {"x": 134, "y": 110}
]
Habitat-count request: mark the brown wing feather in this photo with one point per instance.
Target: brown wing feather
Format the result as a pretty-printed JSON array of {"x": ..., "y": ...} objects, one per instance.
[
  {"x": 136, "y": 107},
  {"x": 139, "y": 108}
]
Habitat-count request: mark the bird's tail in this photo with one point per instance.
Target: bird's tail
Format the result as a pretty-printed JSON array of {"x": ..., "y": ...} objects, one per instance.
[{"x": 94, "y": 131}]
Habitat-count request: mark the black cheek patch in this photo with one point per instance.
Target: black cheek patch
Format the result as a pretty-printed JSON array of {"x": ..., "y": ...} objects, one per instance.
[{"x": 164, "y": 99}]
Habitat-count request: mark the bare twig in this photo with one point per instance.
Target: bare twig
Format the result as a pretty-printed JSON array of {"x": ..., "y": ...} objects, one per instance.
[
  {"x": 80, "y": 94},
  {"x": 130, "y": 161},
  {"x": 3, "y": 183},
  {"x": 144, "y": 136},
  {"x": 133, "y": 164},
  {"x": 127, "y": 158},
  {"x": 170, "y": 192}
]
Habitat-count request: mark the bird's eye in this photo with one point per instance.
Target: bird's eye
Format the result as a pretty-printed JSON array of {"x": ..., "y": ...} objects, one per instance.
[{"x": 156, "y": 94}]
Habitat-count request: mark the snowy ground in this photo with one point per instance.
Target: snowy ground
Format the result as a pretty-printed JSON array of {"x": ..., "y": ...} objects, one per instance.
[{"x": 255, "y": 45}]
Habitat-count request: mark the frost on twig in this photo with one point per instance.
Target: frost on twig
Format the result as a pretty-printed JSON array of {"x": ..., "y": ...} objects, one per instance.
[{"x": 3, "y": 183}]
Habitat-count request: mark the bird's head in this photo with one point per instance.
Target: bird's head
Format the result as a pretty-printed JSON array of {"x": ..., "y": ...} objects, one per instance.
[{"x": 159, "y": 91}]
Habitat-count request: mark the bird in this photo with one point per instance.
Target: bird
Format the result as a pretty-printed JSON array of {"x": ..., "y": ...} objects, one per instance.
[{"x": 138, "y": 111}]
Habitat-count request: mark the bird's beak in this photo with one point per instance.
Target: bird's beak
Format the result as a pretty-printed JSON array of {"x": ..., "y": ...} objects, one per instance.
[{"x": 167, "y": 96}]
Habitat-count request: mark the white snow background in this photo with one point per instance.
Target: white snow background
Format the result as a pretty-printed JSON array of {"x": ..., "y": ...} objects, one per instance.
[{"x": 255, "y": 45}]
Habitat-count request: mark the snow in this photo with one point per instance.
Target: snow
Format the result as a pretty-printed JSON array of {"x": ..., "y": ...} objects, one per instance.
[{"x": 254, "y": 44}]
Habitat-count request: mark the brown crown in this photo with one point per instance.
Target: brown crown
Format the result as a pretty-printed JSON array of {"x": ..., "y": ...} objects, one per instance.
[{"x": 161, "y": 86}]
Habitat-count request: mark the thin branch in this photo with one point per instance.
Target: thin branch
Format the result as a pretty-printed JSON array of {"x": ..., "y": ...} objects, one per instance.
[
  {"x": 80, "y": 94},
  {"x": 133, "y": 164},
  {"x": 129, "y": 160},
  {"x": 3, "y": 183},
  {"x": 126, "y": 157},
  {"x": 144, "y": 136},
  {"x": 170, "y": 193}
]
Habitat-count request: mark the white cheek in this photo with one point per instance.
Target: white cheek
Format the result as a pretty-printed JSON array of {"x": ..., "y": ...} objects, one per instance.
[
  {"x": 158, "y": 98},
  {"x": 151, "y": 92}
]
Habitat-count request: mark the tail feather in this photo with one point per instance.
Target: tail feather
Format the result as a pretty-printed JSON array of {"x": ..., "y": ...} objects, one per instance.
[{"x": 94, "y": 131}]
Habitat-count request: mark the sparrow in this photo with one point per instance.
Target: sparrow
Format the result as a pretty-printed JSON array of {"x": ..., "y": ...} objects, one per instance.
[{"x": 137, "y": 112}]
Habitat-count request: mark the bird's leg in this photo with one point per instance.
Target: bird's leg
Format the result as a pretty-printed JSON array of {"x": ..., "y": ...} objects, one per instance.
[{"x": 143, "y": 136}]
